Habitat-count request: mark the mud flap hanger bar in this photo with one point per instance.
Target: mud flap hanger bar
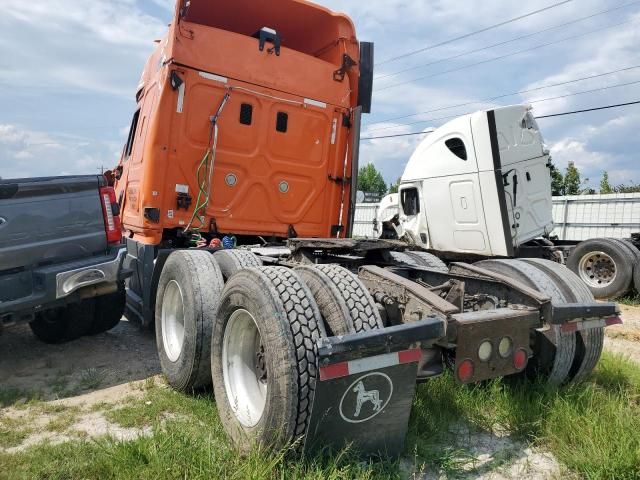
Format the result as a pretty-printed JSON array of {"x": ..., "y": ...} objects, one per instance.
[{"x": 367, "y": 384}]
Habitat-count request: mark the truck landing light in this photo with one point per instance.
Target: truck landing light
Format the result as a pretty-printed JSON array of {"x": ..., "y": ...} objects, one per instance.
[
  {"x": 520, "y": 359},
  {"x": 466, "y": 369}
]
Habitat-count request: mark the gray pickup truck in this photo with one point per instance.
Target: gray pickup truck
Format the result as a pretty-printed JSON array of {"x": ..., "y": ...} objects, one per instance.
[{"x": 61, "y": 256}]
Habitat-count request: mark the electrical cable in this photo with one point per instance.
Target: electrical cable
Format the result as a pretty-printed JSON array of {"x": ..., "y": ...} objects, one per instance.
[
  {"x": 540, "y": 100},
  {"x": 537, "y": 118},
  {"x": 589, "y": 110},
  {"x": 206, "y": 165},
  {"x": 378, "y": 77},
  {"x": 500, "y": 57},
  {"x": 520, "y": 92},
  {"x": 467, "y": 35}
]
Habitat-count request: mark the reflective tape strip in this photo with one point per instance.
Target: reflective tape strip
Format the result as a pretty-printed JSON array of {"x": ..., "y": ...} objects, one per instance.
[
  {"x": 580, "y": 325},
  {"x": 353, "y": 367},
  {"x": 315, "y": 103},
  {"x": 215, "y": 78}
]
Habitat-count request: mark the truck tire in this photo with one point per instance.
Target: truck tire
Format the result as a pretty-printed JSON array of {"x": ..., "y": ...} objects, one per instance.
[
  {"x": 554, "y": 350},
  {"x": 589, "y": 343},
  {"x": 186, "y": 304},
  {"x": 419, "y": 259},
  {"x": 344, "y": 302},
  {"x": 264, "y": 357},
  {"x": 605, "y": 265},
  {"x": 632, "y": 246},
  {"x": 232, "y": 261},
  {"x": 64, "y": 324},
  {"x": 109, "y": 310}
]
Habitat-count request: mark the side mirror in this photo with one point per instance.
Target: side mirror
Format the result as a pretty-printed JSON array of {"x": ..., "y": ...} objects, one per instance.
[{"x": 365, "y": 86}]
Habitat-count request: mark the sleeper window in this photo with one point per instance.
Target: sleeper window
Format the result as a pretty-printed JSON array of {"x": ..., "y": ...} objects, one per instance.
[
  {"x": 132, "y": 135},
  {"x": 456, "y": 145}
]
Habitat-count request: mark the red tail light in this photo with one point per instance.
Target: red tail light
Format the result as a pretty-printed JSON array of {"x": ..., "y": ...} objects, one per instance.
[
  {"x": 111, "y": 214},
  {"x": 520, "y": 359},
  {"x": 466, "y": 369}
]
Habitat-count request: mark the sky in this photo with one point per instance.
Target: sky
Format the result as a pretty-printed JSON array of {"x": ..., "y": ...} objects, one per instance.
[{"x": 69, "y": 70}]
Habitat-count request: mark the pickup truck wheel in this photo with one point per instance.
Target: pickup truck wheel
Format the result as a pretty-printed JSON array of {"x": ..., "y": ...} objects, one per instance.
[
  {"x": 264, "y": 349},
  {"x": 232, "y": 261},
  {"x": 554, "y": 350},
  {"x": 109, "y": 310},
  {"x": 187, "y": 300},
  {"x": 64, "y": 324},
  {"x": 605, "y": 265},
  {"x": 589, "y": 343},
  {"x": 419, "y": 259},
  {"x": 344, "y": 302}
]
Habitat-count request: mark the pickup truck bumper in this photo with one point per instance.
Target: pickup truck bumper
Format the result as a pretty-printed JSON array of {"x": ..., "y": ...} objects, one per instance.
[{"x": 31, "y": 291}]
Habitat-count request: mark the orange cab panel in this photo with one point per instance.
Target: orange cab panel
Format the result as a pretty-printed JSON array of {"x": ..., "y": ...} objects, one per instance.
[{"x": 232, "y": 138}]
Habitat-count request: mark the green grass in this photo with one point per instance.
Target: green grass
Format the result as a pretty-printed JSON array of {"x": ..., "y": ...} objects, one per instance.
[
  {"x": 12, "y": 396},
  {"x": 593, "y": 429},
  {"x": 632, "y": 299}
]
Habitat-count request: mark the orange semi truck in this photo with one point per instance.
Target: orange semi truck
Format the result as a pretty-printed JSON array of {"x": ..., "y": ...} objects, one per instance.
[{"x": 237, "y": 187}]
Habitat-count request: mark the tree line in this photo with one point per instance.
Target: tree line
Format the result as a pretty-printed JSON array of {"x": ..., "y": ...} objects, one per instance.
[{"x": 569, "y": 182}]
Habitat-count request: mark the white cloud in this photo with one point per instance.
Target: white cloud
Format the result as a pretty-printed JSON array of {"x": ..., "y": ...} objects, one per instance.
[{"x": 31, "y": 153}]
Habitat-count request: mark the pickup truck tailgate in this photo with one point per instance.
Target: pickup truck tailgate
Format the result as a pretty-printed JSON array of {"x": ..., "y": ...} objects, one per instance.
[{"x": 44, "y": 220}]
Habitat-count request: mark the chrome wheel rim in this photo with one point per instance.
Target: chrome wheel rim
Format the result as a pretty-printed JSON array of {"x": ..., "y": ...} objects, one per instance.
[
  {"x": 244, "y": 368},
  {"x": 597, "y": 269},
  {"x": 173, "y": 321}
]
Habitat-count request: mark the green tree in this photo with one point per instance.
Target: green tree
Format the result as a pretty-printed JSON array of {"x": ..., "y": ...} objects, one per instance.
[
  {"x": 605, "y": 186},
  {"x": 370, "y": 180},
  {"x": 557, "y": 181},
  {"x": 394, "y": 187},
  {"x": 631, "y": 188},
  {"x": 572, "y": 181}
]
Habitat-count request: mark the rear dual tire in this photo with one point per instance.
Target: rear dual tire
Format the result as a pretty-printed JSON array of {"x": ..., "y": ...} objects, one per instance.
[
  {"x": 264, "y": 357},
  {"x": 419, "y": 259},
  {"x": 345, "y": 303},
  {"x": 559, "y": 357},
  {"x": 186, "y": 305}
]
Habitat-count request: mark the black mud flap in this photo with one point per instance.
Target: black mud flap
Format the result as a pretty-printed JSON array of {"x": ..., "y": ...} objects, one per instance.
[{"x": 366, "y": 388}]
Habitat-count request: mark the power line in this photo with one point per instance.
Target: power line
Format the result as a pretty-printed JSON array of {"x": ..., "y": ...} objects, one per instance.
[
  {"x": 538, "y": 118},
  {"x": 467, "y": 35},
  {"x": 590, "y": 109},
  {"x": 378, "y": 77},
  {"x": 501, "y": 57},
  {"x": 520, "y": 92},
  {"x": 540, "y": 100}
]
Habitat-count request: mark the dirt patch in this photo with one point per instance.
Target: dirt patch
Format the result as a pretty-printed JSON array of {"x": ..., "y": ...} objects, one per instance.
[
  {"x": 91, "y": 363},
  {"x": 625, "y": 339},
  {"x": 489, "y": 455}
]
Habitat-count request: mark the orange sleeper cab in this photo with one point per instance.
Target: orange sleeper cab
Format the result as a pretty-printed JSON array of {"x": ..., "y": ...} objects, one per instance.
[{"x": 268, "y": 93}]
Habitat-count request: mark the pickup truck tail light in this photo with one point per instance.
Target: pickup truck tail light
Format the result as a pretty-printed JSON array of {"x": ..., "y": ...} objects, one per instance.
[{"x": 111, "y": 213}]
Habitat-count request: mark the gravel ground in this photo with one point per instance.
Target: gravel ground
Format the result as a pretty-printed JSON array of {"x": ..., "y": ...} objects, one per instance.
[{"x": 125, "y": 354}]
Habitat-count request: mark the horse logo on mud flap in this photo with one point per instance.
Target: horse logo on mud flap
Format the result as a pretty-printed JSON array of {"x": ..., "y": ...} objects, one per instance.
[
  {"x": 363, "y": 396},
  {"x": 366, "y": 397}
]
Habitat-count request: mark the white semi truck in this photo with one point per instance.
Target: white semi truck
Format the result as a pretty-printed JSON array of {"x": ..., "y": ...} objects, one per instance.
[{"x": 480, "y": 187}]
